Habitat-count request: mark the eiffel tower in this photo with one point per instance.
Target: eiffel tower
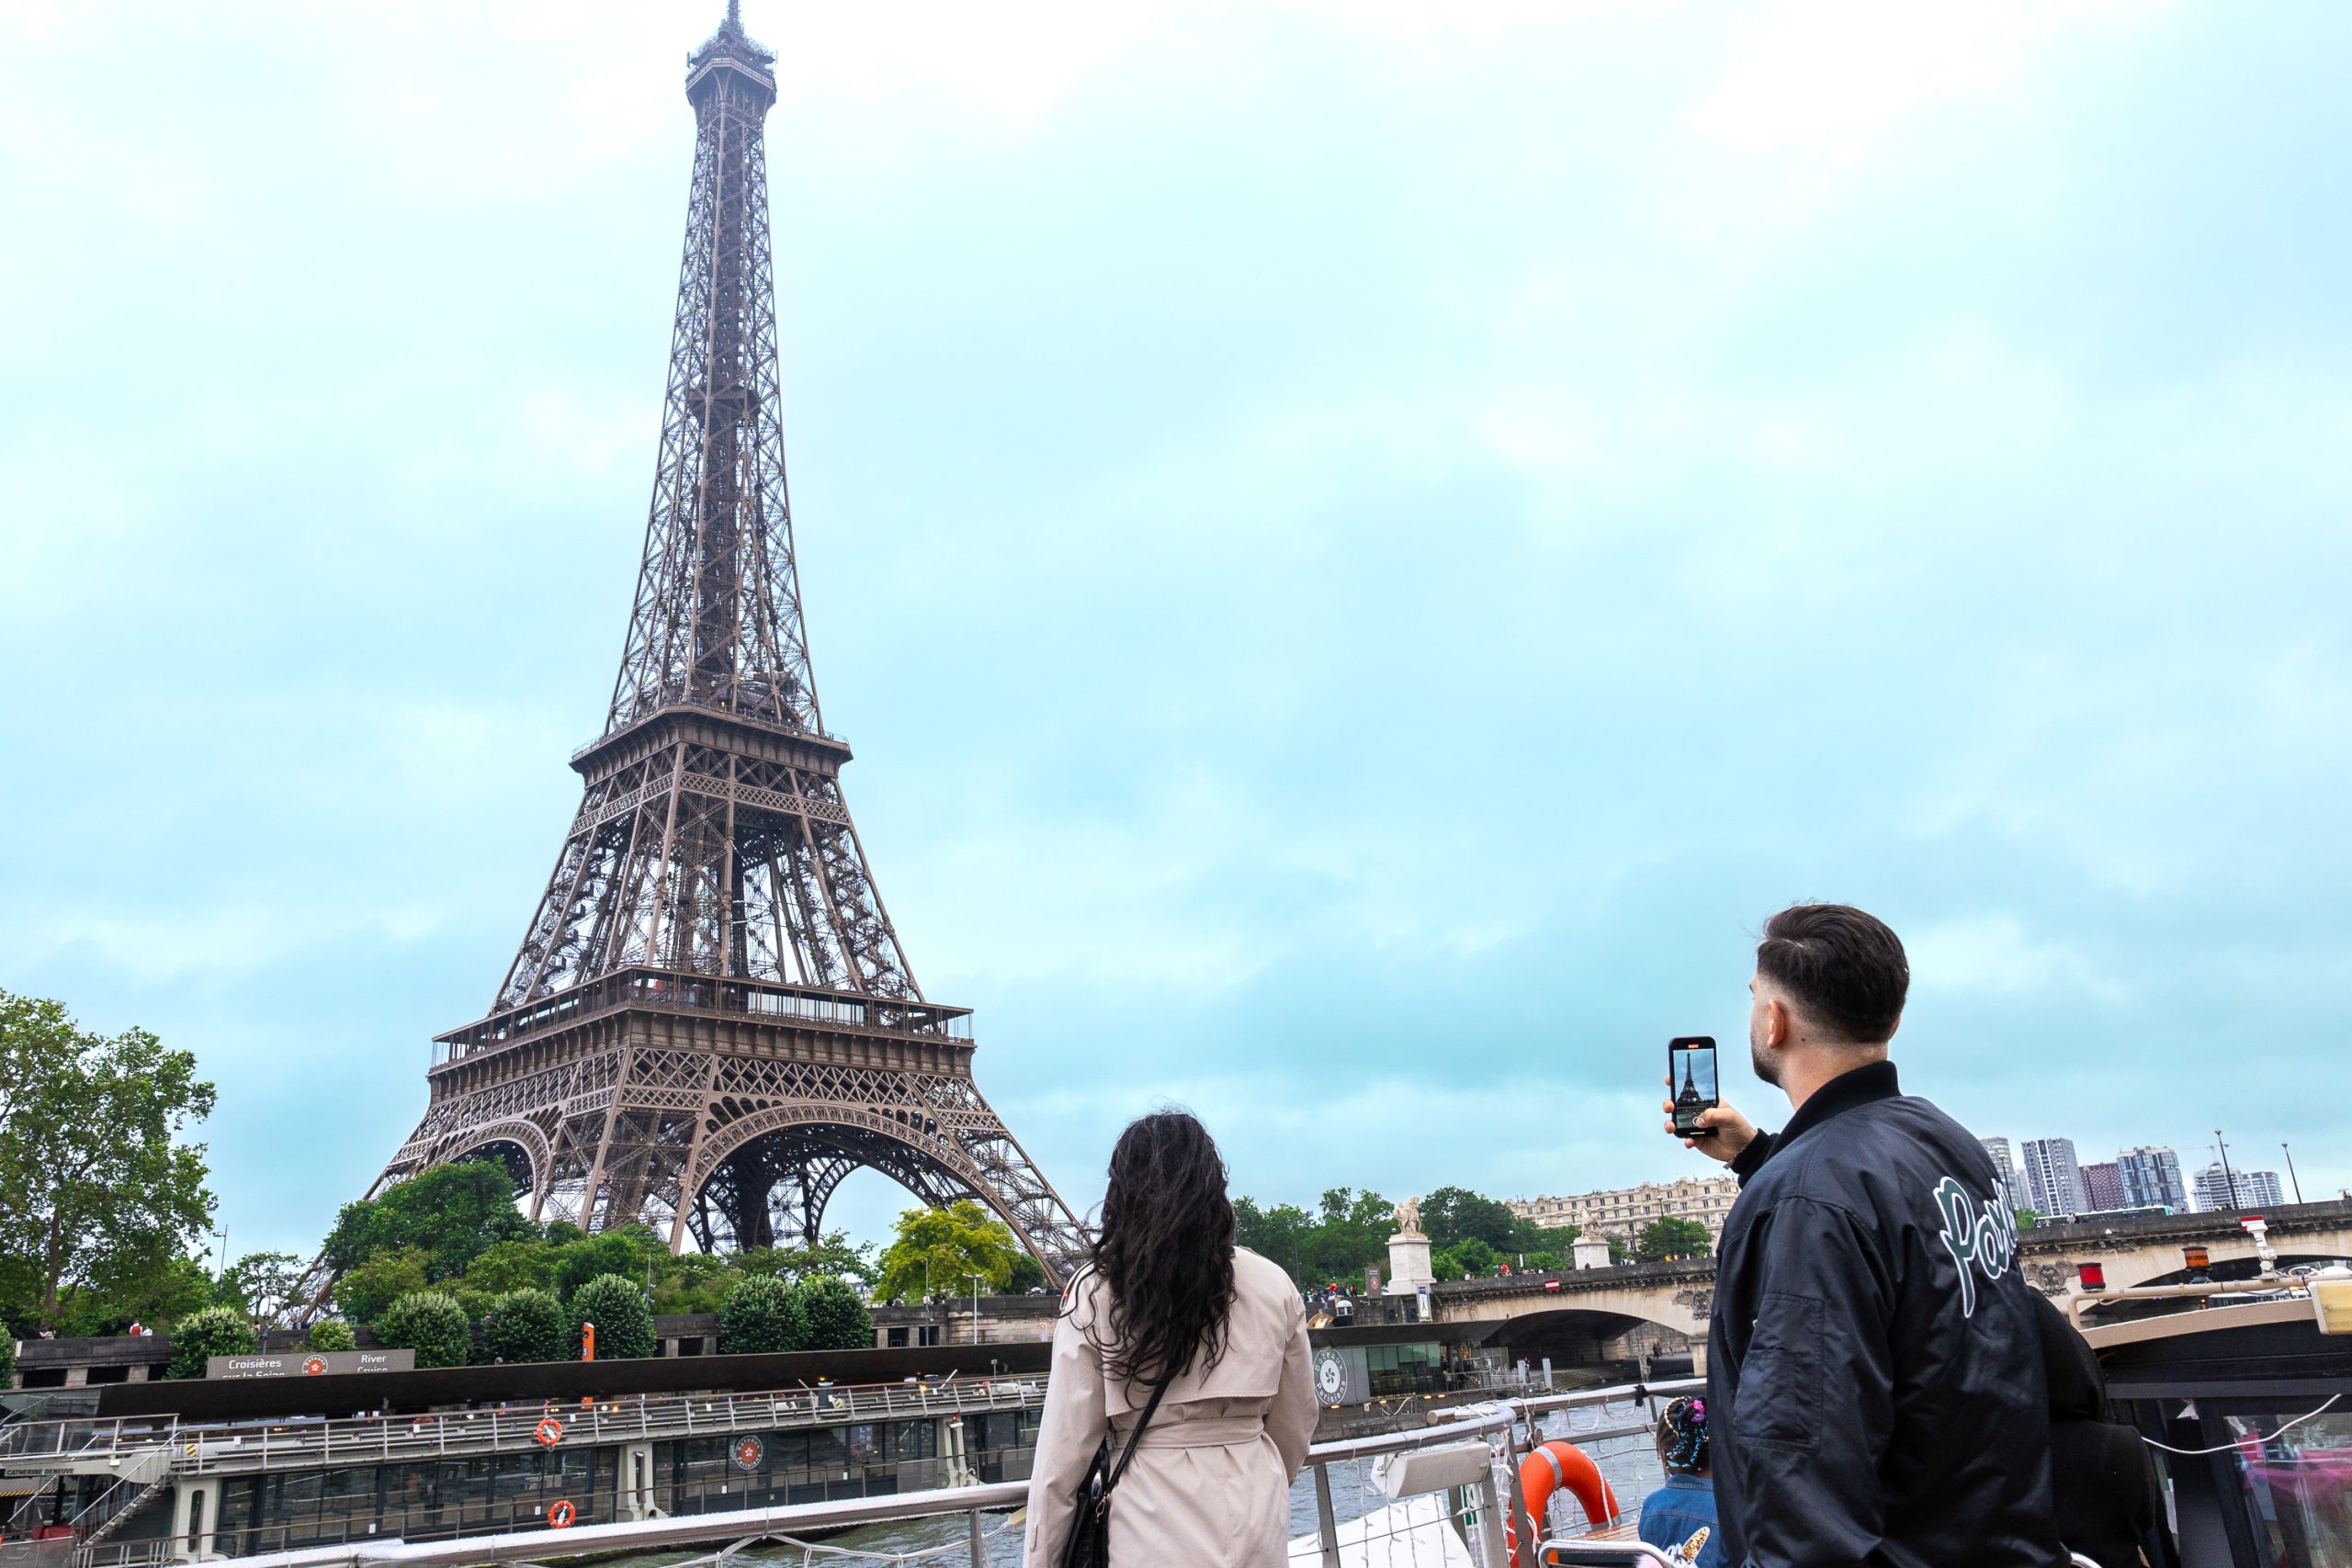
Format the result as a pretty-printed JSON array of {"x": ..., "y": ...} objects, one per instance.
[{"x": 710, "y": 1021}]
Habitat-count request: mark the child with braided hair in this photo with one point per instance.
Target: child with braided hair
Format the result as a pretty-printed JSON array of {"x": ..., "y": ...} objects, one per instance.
[{"x": 1679, "y": 1519}]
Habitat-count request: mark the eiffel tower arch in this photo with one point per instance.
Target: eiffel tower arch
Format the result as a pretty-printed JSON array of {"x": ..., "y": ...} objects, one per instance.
[{"x": 709, "y": 1021}]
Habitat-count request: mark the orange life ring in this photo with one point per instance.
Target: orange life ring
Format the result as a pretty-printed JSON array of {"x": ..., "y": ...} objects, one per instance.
[
  {"x": 561, "y": 1515},
  {"x": 1552, "y": 1466},
  {"x": 550, "y": 1431}
]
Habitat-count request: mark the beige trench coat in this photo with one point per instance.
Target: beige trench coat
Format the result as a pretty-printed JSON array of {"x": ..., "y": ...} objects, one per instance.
[{"x": 1210, "y": 1484}]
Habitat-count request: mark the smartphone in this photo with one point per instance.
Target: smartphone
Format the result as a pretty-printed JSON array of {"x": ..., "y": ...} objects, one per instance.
[{"x": 1690, "y": 1068}]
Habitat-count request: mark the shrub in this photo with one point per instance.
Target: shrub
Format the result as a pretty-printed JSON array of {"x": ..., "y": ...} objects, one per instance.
[
  {"x": 526, "y": 1325},
  {"x": 430, "y": 1323},
  {"x": 616, "y": 1304},
  {"x": 215, "y": 1331},
  {"x": 332, "y": 1333},
  {"x": 837, "y": 1319},
  {"x": 763, "y": 1315},
  {"x": 7, "y": 1354}
]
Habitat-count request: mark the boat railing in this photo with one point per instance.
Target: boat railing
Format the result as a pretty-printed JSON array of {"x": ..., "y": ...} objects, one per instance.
[
  {"x": 1474, "y": 1449},
  {"x": 206, "y": 1448}
]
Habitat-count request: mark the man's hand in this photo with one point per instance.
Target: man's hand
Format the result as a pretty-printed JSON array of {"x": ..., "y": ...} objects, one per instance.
[{"x": 1731, "y": 1130}]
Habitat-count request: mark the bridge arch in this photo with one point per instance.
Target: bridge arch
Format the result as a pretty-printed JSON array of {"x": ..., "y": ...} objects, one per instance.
[{"x": 1583, "y": 1336}]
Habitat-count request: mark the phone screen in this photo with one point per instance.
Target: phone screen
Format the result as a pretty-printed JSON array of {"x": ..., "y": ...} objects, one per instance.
[{"x": 1690, "y": 1068}]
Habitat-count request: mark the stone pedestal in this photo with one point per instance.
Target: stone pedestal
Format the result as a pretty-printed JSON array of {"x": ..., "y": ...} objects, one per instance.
[
  {"x": 1591, "y": 1252},
  {"x": 1408, "y": 1265}
]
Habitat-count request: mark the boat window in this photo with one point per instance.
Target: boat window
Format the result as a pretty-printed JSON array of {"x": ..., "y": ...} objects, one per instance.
[{"x": 2296, "y": 1484}]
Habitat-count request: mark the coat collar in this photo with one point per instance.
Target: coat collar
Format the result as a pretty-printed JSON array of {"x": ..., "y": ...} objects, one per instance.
[{"x": 1871, "y": 1081}]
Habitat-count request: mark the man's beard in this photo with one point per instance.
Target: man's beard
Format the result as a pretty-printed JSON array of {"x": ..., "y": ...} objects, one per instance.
[{"x": 1766, "y": 1062}]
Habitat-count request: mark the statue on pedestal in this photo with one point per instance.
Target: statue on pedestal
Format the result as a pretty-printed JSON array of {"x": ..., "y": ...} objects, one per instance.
[{"x": 1409, "y": 1217}]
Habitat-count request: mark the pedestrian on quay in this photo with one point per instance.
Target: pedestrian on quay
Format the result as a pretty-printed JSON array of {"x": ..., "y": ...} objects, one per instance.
[
  {"x": 1190, "y": 1355},
  {"x": 1875, "y": 1391}
]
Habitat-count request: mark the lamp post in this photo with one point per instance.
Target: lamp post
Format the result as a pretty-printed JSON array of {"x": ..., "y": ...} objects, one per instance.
[
  {"x": 976, "y": 1306},
  {"x": 2229, "y": 1182}
]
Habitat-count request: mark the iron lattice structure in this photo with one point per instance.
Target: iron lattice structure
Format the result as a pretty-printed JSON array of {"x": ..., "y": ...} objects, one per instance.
[{"x": 710, "y": 1020}]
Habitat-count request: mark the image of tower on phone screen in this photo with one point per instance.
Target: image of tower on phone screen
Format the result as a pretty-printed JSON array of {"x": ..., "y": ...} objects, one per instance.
[{"x": 1697, "y": 1086}]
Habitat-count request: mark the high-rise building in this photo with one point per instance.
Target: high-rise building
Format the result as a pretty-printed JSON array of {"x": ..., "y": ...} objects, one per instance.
[
  {"x": 2152, "y": 1179},
  {"x": 2005, "y": 1164},
  {"x": 2054, "y": 1182},
  {"x": 2240, "y": 1190},
  {"x": 2102, "y": 1186}
]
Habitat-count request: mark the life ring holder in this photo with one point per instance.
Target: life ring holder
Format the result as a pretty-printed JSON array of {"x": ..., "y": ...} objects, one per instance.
[
  {"x": 561, "y": 1513},
  {"x": 1546, "y": 1469},
  {"x": 549, "y": 1432}
]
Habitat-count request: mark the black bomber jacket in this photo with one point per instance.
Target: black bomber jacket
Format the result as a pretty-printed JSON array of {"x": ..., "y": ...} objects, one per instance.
[{"x": 1875, "y": 1392}]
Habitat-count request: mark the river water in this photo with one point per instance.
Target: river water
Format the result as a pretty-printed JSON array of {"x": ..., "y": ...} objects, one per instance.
[{"x": 1630, "y": 1464}]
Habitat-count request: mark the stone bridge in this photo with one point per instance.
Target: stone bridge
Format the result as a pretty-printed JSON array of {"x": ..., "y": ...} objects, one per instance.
[{"x": 1608, "y": 1313}]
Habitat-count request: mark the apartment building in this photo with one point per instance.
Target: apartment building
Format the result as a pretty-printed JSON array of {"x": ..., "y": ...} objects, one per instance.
[{"x": 1624, "y": 1211}]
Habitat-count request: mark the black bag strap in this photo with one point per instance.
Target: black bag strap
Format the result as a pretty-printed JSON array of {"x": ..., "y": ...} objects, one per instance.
[{"x": 1134, "y": 1438}]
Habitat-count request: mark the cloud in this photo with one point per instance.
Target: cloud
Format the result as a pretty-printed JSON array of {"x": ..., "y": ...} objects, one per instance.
[{"x": 1993, "y": 954}]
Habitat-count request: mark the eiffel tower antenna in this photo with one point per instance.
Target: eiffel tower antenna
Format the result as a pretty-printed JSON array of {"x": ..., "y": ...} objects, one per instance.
[{"x": 709, "y": 1021}]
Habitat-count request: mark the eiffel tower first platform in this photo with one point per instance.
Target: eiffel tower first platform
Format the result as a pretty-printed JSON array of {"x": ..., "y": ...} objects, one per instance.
[{"x": 710, "y": 1021}]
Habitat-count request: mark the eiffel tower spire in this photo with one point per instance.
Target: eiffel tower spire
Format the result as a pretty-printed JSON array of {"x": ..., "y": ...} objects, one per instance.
[{"x": 709, "y": 1021}]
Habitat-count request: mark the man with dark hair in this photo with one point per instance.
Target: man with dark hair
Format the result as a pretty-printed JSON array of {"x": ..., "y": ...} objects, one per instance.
[{"x": 1874, "y": 1378}]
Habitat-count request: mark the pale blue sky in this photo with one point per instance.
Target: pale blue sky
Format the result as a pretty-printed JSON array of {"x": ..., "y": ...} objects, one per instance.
[{"x": 1363, "y": 545}]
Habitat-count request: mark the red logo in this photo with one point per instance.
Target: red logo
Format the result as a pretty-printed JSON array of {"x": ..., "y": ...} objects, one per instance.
[{"x": 313, "y": 1367}]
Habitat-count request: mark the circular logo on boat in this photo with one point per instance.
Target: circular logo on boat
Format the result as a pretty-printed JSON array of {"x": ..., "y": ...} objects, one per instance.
[
  {"x": 748, "y": 1452},
  {"x": 1331, "y": 1375},
  {"x": 313, "y": 1367}
]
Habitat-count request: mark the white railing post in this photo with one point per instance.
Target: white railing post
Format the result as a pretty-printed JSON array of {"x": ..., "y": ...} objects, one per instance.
[{"x": 1327, "y": 1530}]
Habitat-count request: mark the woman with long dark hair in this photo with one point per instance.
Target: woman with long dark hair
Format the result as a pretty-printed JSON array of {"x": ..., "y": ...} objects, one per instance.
[{"x": 1170, "y": 1304}]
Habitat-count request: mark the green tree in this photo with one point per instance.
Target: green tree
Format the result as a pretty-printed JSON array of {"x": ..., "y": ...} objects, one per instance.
[
  {"x": 1474, "y": 1257},
  {"x": 1276, "y": 1234},
  {"x": 762, "y": 1316},
  {"x": 1668, "y": 1238},
  {"x": 97, "y": 1193},
  {"x": 693, "y": 1281},
  {"x": 451, "y": 1212},
  {"x": 1620, "y": 1250},
  {"x": 833, "y": 1255},
  {"x": 1452, "y": 1214},
  {"x": 430, "y": 1323},
  {"x": 631, "y": 1251},
  {"x": 1027, "y": 1275},
  {"x": 215, "y": 1331},
  {"x": 7, "y": 1356},
  {"x": 521, "y": 1265},
  {"x": 1349, "y": 1234},
  {"x": 332, "y": 1333},
  {"x": 527, "y": 1324},
  {"x": 936, "y": 1249},
  {"x": 837, "y": 1319},
  {"x": 616, "y": 1304},
  {"x": 365, "y": 1291},
  {"x": 264, "y": 1283}
]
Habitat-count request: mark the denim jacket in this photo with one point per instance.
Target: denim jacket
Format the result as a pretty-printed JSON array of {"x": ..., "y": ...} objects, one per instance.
[{"x": 1679, "y": 1510}]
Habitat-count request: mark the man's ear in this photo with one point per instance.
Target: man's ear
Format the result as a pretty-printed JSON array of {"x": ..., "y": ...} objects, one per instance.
[{"x": 1779, "y": 1028}]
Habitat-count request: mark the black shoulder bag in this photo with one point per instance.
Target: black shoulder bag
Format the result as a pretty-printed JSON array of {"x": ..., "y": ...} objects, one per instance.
[{"x": 1090, "y": 1525}]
